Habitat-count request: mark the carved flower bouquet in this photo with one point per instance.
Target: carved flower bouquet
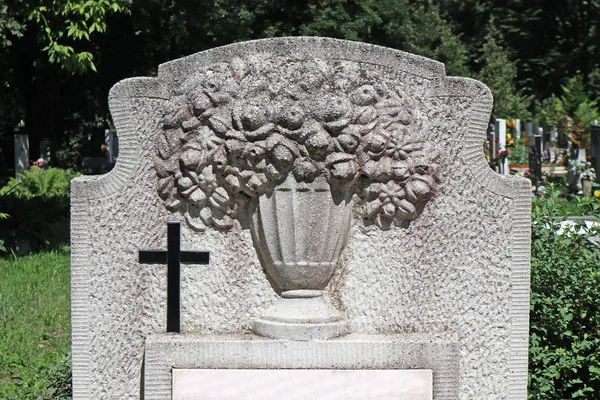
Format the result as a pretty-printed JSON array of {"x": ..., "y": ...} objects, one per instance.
[
  {"x": 290, "y": 142},
  {"x": 236, "y": 131}
]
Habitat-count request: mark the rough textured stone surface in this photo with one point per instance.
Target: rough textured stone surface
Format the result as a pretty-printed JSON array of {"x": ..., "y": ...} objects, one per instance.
[{"x": 458, "y": 263}]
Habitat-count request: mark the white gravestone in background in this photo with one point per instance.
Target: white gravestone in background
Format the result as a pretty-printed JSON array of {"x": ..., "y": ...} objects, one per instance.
[
  {"x": 352, "y": 222},
  {"x": 503, "y": 159},
  {"x": 21, "y": 153}
]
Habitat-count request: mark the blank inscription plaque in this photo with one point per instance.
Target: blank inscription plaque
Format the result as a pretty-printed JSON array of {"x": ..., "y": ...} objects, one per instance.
[{"x": 296, "y": 384}]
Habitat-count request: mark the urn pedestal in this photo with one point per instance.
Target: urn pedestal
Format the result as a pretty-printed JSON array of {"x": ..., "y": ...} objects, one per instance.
[{"x": 299, "y": 231}]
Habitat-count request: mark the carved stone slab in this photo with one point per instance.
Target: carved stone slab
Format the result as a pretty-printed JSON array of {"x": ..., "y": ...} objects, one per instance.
[
  {"x": 300, "y": 384},
  {"x": 436, "y": 242},
  {"x": 417, "y": 365}
]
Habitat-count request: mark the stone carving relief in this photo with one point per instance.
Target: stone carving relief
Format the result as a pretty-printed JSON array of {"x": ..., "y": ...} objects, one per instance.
[{"x": 235, "y": 131}]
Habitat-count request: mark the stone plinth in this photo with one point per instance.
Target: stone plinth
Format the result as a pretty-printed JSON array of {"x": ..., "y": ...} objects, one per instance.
[{"x": 407, "y": 357}]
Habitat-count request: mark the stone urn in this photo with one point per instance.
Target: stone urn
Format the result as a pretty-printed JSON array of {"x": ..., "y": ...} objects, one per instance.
[{"x": 299, "y": 231}]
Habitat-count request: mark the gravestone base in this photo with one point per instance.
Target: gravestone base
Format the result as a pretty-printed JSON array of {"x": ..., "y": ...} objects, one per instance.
[
  {"x": 301, "y": 319},
  {"x": 408, "y": 358}
]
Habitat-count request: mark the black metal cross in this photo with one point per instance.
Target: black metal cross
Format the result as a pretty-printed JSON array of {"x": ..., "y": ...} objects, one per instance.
[{"x": 173, "y": 257}]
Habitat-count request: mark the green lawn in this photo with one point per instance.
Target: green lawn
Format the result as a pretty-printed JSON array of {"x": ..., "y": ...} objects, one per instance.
[{"x": 35, "y": 324}]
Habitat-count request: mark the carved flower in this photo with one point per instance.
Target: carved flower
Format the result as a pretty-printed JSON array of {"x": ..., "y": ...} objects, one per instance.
[
  {"x": 343, "y": 168},
  {"x": 252, "y": 182},
  {"x": 231, "y": 131},
  {"x": 208, "y": 140},
  {"x": 365, "y": 116},
  {"x": 248, "y": 165},
  {"x": 387, "y": 168},
  {"x": 394, "y": 111},
  {"x": 346, "y": 142},
  {"x": 176, "y": 111},
  {"x": 208, "y": 202},
  {"x": 252, "y": 120},
  {"x": 364, "y": 95},
  {"x": 376, "y": 143},
  {"x": 419, "y": 190},
  {"x": 216, "y": 217},
  {"x": 386, "y": 201},
  {"x": 289, "y": 115},
  {"x": 282, "y": 152},
  {"x": 399, "y": 148},
  {"x": 305, "y": 170},
  {"x": 207, "y": 180},
  {"x": 192, "y": 159},
  {"x": 318, "y": 142},
  {"x": 333, "y": 112},
  {"x": 219, "y": 85},
  {"x": 423, "y": 179},
  {"x": 200, "y": 102},
  {"x": 196, "y": 188}
]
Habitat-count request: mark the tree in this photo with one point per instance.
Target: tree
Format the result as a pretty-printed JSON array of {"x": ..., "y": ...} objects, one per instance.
[
  {"x": 500, "y": 73},
  {"x": 43, "y": 44},
  {"x": 552, "y": 40},
  {"x": 51, "y": 65},
  {"x": 413, "y": 26},
  {"x": 573, "y": 113},
  {"x": 63, "y": 24}
]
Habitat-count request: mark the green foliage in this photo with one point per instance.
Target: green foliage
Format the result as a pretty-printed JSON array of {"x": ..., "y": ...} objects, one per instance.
[
  {"x": 564, "y": 361},
  {"x": 519, "y": 153},
  {"x": 9, "y": 26},
  {"x": 415, "y": 27},
  {"x": 62, "y": 23},
  {"x": 552, "y": 40},
  {"x": 573, "y": 113},
  {"x": 60, "y": 379},
  {"x": 500, "y": 74},
  {"x": 574, "y": 94},
  {"x": 45, "y": 191},
  {"x": 3, "y": 216},
  {"x": 594, "y": 83},
  {"x": 35, "y": 321},
  {"x": 35, "y": 181}
]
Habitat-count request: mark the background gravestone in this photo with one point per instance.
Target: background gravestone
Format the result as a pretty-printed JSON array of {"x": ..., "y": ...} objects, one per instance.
[
  {"x": 450, "y": 267},
  {"x": 21, "y": 154}
]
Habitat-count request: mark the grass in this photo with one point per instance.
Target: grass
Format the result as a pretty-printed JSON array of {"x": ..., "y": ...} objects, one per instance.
[{"x": 35, "y": 324}]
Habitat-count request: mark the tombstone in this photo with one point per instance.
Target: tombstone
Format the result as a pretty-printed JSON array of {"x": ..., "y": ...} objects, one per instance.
[
  {"x": 502, "y": 155},
  {"x": 553, "y": 134},
  {"x": 357, "y": 236},
  {"x": 595, "y": 150},
  {"x": 530, "y": 130},
  {"x": 492, "y": 146},
  {"x": 535, "y": 161},
  {"x": 110, "y": 143},
  {"x": 21, "y": 154},
  {"x": 517, "y": 129},
  {"x": 545, "y": 131}
]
